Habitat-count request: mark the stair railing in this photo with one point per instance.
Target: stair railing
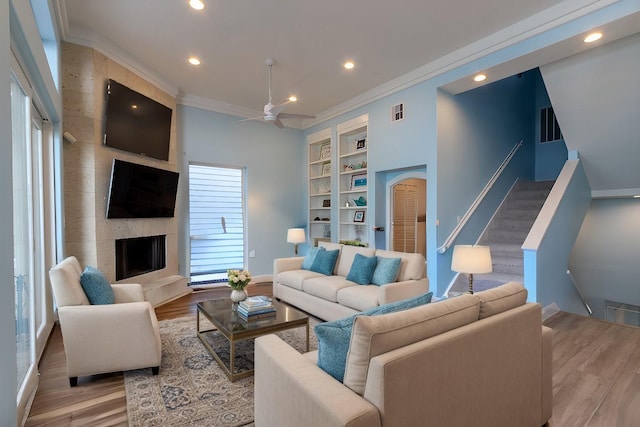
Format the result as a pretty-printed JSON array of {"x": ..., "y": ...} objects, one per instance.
[
  {"x": 463, "y": 221},
  {"x": 575, "y": 285}
]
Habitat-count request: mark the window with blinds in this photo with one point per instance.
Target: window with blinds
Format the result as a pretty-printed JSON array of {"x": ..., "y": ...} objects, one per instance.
[{"x": 216, "y": 221}]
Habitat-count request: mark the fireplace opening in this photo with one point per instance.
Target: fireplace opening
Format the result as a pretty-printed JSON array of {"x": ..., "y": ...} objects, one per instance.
[{"x": 140, "y": 255}]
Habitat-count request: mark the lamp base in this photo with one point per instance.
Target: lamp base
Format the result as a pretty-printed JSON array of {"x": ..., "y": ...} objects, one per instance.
[{"x": 471, "y": 283}]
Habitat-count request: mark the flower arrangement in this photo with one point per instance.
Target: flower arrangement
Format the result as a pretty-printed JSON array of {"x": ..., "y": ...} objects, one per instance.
[{"x": 238, "y": 279}]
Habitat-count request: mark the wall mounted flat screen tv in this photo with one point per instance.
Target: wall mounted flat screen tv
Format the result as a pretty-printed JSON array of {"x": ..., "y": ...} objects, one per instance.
[
  {"x": 138, "y": 191},
  {"x": 136, "y": 123}
]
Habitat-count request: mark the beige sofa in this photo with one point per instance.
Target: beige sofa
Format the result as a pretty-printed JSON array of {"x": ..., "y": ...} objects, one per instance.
[
  {"x": 473, "y": 360},
  {"x": 334, "y": 297},
  {"x": 104, "y": 338}
]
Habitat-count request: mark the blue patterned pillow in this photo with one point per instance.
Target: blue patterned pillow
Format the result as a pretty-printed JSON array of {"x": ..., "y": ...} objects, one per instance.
[
  {"x": 334, "y": 337},
  {"x": 96, "y": 286},
  {"x": 311, "y": 256},
  {"x": 362, "y": 269},
  {"x": 325, "y": 261},
  {"x": 386, "y": 271}
]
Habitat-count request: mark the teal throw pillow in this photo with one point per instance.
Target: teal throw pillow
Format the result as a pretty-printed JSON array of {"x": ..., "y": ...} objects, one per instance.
[
  {"x": 311, "y": 256},
  {"x": 334, "y": 337},
  {"x": 362, "y": 269},
  {"x": 96, "y": 286},
  {"x": 325, "y": 261},
  {"x": 386, "y": 271}
]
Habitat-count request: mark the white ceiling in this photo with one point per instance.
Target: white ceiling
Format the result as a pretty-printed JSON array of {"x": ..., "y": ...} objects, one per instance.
[{"x": 309, "y": 40}]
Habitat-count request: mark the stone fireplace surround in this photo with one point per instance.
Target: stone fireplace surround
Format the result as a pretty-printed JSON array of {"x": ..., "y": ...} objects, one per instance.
[{"x": 89, "y": 235}]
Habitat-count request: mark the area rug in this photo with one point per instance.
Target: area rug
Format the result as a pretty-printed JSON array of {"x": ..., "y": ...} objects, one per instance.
[{"x": 191, "y": 389}]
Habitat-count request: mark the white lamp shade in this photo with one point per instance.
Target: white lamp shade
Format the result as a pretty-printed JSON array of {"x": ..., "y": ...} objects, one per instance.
[
  {"x": 296, "y": 235},
  {"x": 471, "y": 259}
]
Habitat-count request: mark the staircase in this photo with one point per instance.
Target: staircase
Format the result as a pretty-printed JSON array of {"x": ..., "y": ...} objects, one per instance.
[{"x": 506, "y": 234}]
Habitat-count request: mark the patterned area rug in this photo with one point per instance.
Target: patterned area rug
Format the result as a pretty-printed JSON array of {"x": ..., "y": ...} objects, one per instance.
[{"x": 191, "y": 389}]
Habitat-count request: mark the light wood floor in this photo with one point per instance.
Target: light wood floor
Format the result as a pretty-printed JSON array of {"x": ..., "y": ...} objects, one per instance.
[{"x": 596, "y": 379}]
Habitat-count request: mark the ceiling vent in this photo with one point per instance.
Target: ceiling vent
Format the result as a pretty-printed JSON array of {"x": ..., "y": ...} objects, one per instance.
[{"x": 397, "y": 112}]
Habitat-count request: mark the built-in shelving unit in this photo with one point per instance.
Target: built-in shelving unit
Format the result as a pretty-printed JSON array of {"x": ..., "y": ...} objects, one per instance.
[
  {"x": 320, "y": 152},
  {"x": 353, "y": 180}
]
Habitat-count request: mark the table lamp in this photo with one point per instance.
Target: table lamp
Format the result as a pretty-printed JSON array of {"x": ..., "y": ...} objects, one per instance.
[
  {"x": 471, "y": 259},
  {"x": 295, "y": 236}
]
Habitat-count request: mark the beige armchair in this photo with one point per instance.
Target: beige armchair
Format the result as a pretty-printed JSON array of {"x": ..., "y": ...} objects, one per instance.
[{"x": 104, "y": 338}]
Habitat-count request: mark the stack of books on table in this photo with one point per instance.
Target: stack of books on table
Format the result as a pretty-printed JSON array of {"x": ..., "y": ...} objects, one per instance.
[{"x": 256, "y": 307}]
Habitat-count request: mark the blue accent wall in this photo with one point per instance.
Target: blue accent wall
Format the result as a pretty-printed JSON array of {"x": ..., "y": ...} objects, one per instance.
[
  {"x": 275, "y": 187},
  {"x": 476, "y": 131},
  {"x": 550, "y": 156}
]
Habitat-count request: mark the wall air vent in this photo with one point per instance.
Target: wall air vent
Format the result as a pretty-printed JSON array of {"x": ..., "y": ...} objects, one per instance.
[
  {"x": 397, "y": 112},
  {"x": 549, "y": 127}
]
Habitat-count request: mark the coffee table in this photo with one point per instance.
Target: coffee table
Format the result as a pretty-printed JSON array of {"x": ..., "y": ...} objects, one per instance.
[{"x": 226, "y": 320}]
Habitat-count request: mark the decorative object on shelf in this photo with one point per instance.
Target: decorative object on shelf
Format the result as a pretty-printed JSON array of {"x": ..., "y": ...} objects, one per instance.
[
  {"x": 361, "y": 143},
  {"x": 359, "y": 180},
  {"x": 361, "y": 165},
  {"x": 346, "y": 204},
  {"x": 326, "y": 203},
  {"x": 358, "y": 216},
  {"x": 327, "y": 231},
  {"x": 471, "y": 259},
  {"x": 326, "y": 168},
  {"x": 354, "y": 243},
  {"x": 348, "y": 168},
  {"x": 295, "y": 236},
  {"x": 238, "y": 280},
  {"x": 324, "y": 187},
  {"x": 360, "y": 201},
  {"x": 325, "y": 151}
]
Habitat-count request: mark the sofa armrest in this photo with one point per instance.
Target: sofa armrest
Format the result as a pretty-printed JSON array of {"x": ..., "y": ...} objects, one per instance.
[
  {"x": 291, "y": 391},
  {"x": 111, "y": 337},
  {"x": 286, "y": 264},
  {"x": 547, "y": 374},
  {"x": 127, "y": 292},
  {"x": 402, "y": 290}
]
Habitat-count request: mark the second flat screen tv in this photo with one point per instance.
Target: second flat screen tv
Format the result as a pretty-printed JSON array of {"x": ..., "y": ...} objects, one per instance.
[
  {"x": 136, "y": 123},
  {"x": 139, "y": 191}
]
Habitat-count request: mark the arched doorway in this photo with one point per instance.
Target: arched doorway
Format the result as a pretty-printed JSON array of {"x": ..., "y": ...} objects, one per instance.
[{"x": 407, "y": 195}]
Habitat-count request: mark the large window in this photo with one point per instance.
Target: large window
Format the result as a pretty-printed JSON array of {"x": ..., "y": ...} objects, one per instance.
[{"x": 216, "y": 218}]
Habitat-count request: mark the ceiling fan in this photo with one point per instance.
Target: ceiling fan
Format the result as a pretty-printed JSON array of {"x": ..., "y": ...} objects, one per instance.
[{"x": 273, "y": 113}]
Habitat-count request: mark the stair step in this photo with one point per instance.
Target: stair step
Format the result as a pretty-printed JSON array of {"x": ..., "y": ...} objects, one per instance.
[
  {"x": 512, "y": 224},
  {"x": 530, "y": 195},
  {"x": 509, "y": 265},
  {"x": 526, "y": 185},
  {"x": 524, "y": 204},
  {"x": 506, "y": 236},
  {"x": 514, "y": 213},
  {"x": 504, "y": 249}
]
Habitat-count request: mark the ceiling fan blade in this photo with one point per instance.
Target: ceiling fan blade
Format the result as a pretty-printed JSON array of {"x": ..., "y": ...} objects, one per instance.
[
  {"x": 278, "y": 123},
  {"x": 251, "y": 118},
  {"x": 295, "y": 116},
  {"x": 278, "y": 108}
]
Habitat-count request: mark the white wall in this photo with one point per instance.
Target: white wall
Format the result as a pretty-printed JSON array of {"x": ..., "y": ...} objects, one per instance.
[
  {"x": 596, "y": 97},
  {"x": 8, "y": 373},
  {"x": 275, "y": 162},
  {"x": 604, "y": 260}
]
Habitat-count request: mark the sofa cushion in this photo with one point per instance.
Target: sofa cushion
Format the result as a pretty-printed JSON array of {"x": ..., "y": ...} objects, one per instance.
[
  {"x": 96, "y": 286},
  {"x": 375, "y": 335},
  {"x": 333, "y": 337},
  {"x": 330, "y": 246},
  {"x": 362, "y": 269},
  {"x": 311, "y": 256},
  {"x": 325, "y": 261},
  {"x": 412, "y": 266},
  {"x": 501, "y": 298},
  {"x": 295, "y": 278},
  {"x": 326, "y": 287},
  {"x": 386, "y": 271},
  {"x": 361, "y": 298},
  {"x": 347, "y": 256}
]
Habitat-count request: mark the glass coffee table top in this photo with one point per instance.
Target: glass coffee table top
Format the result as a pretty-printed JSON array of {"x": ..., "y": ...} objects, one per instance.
[{"x": 234, "y": 328}]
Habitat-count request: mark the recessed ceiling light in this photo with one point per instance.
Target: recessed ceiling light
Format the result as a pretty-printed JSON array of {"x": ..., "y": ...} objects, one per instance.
[
  {"x": 293, "y": 98},
  {"x": 349, "y": 65},
  {"x": 479, "y": 78},
  {"x": 194, "y": 61},
  {"x": 196, "y": 4},
  {"x": 593, "y": 37}
]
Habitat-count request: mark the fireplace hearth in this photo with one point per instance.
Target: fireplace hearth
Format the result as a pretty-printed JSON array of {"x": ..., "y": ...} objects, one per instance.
[{"x": 139, "y": 255}]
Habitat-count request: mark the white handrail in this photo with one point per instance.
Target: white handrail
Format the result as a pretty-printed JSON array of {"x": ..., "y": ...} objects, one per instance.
[
  {"x": 463, "y": 221},
  {"x": 575, "y": 285}
]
